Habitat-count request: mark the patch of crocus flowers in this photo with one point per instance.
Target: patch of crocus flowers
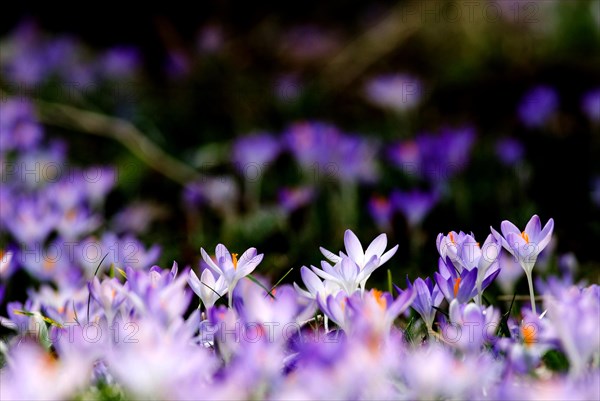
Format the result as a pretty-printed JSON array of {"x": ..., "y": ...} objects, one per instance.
[{"x": 128, "y": 332}]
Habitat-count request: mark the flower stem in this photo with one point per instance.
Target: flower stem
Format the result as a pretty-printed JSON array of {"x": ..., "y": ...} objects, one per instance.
[{"x": 531, "y": 294}]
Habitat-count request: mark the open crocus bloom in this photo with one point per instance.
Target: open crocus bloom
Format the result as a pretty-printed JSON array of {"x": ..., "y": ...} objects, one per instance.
[
  {"x": 207, "y": 288},
  {"x": 525, "y": 245},
  {"x": 232, "y": 269},
  {"x": 314, "y": 285},
  {"x": 361, "y": 257}
]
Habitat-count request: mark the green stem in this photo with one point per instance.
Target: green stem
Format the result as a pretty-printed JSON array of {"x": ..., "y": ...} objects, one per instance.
[{"x": 531, "y": 294}]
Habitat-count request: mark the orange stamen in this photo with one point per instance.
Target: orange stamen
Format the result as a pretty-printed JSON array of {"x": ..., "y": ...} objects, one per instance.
[
  {"x": 451, "y": 236},
  {"x": 525, "y": 236},
  {"x": 48, "y": 264},
  {"x": 234, "y": 260},
  {"x": 456, "y": 285},
  {"x": 380, "y": 299},
  {"x": 71, "y": 214},
  {"x": 528, "y": 332}
]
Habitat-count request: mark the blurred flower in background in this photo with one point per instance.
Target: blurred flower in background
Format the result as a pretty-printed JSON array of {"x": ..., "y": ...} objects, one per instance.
[
  {"x": 537, "y": 106},
  {"x": 397, "y": 92}
]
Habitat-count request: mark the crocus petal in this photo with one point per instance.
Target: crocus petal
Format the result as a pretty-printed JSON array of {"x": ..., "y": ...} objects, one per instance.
[
  {"x": 466, "y": 289},
  {"x": 323, "y": 274},
  {"x": 302, "y": 292},
  {"x": 489, "y": 279},
  {"x": 545, "y": 235},
  {"x": 444, "y": 285},
  {"x": 517, "y": 243},
  {"x": 386, "y": 256},
  {"x": 454, "y": 312},
  {"x": 534, "y": 226},
  {"x": 210, "y": 262},
  {"x": 472, "y": 313},
  {"x": 330, "y": 255},
  {"x": 194, "y": 283},
  {"x": 207, "y": 278},
  {"x": 246, "y": 257},
  {"x": 311, "y": 280},
  {"x": 376, "y": 247},
  {"x": 353, "y": 246},
  {"x": 508, "y": 227},
  {"x": 249, "y": 266},
  {"x": 349, "y": 269}
]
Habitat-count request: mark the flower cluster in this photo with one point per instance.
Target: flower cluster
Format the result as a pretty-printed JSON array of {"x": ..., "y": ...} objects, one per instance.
[{"x": 133, "y": 333}]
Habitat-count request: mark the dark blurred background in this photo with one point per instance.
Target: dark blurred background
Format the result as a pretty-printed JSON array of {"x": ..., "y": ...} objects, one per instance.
[{"x": 203, "y": 79}]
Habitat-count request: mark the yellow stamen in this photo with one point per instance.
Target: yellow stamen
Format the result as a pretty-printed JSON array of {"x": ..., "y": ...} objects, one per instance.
[
  {"x": 234, "y": 260},
  {"x": 456, "y": 285},
  {"x": 528, "y": 332},
  {"x": 525, "y": 236},
  {"x": 380, "y": 299}
]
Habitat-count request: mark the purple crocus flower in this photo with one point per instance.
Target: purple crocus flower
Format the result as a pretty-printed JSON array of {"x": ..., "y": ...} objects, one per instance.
[
  {"x": 254, "y": 152},
  {"x": 56, "y": 379},
  {"x": 327, "y": 153},
  {"x": 77, "y": 222},
  {"x": 537, "y": 106},
  {"x": 525, "y": 246},
  {"x": 220, "y": 193},
  {"x": 354, "y": 160},
  {"x": 590, "y": 104},
  {"x": 466, "y": 253},
  {"x": 158, "y": 293},
  {"x": 109, "y": 294},
  {"x": 207, "y": 287},
  {"x": 528, "y": 244},
  {"x": 428, "y": 298},
  {"x": 346, "y": 273},
  {"x": 460, "y": 286},
  {"x": 530, "y": 339},
  {"x": 509, "y": 151},
  {"x": 414, "y": 205},
  {"x": 291, "y": 199},
  {"x": 97, "y": 182},
  {"x": 316, "y": 288},
  {"x": 334, "y": 307},
  {"x": 470, "y": 325},
  {"x": 398, "y": 92},
  {"x": 228, "y": 266},
  {"x": 375, "y": 311},
  {"x": 406, "y": 155},
  {"x": 367, "y": 261},
  {"x": 574, "y": 316},
  {"x": 67, "y": 194},
  {"x": 119, "y": 62},
  {"x": 33, "y": 219},
  {"x": 433, "y": 372},
  {"x": 18, "y": 126},
  {"x": 380, "y": 209},
  {"x": 156, "y": 362}
]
